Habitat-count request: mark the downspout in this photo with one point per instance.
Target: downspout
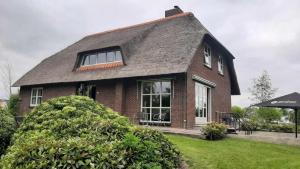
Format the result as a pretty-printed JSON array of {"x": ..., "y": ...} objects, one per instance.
[{"x": 185, "y": 99}]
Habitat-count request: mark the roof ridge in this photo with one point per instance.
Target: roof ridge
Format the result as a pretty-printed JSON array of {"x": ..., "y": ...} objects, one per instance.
[{"x": 142, "y": 24}]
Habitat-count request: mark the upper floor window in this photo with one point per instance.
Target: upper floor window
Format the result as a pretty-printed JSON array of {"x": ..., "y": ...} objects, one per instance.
[
  {"x": 101, "y": 57},
  {"x": 207, "y": 56},
  {"x": 220, "y": 65},
  {"x": 36, "y": 96}
]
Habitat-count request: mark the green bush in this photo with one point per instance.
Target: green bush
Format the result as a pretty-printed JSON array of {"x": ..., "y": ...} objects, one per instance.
[
  {"x": 214, "y": 131},
  {"x": 76, "y": 132},
  {"x": 7, "y": 128},
  {"x": 285, "y": 128},
  {"x": 12, "y": 104}
]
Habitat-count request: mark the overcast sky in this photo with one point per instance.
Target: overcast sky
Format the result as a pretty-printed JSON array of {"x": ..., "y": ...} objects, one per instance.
[{"x": 261, "y": 34}]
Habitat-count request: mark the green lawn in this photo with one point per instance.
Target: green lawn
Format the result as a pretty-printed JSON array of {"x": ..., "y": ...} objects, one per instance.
[{"x": 236, "y": 154}]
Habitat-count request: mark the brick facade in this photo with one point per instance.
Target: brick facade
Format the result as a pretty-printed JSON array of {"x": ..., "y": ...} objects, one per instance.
[
  {"x": 220, "y": 95},
  {"x": 124, "y": 95}
]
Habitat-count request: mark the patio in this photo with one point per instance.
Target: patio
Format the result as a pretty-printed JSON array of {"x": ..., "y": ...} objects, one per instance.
[{"x": 270, "y": 137}]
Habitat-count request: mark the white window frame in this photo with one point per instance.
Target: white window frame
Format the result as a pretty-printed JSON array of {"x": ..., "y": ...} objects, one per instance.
[
  {"x": 204, "y": 99},
  {"x": 221, "y": 64},
  {"x": 207, "y": 55},
  {"x": 36, "y": 96},
  {"x": 151, "y": 94}
]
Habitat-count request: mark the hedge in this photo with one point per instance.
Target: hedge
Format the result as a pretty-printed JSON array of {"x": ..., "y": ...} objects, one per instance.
[{"x": 76, "y": 132}]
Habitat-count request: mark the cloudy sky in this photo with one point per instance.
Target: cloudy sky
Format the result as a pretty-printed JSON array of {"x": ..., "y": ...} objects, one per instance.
[{"x": 261, "y": 34}]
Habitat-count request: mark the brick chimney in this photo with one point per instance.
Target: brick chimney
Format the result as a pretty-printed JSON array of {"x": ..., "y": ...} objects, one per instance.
[{"x": 176, "y": 10}]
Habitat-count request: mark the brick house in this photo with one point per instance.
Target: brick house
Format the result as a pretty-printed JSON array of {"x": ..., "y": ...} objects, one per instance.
[{"x": 168, "y": 71}]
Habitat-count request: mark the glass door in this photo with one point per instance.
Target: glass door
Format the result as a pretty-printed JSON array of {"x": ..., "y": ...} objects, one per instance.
[{"x": 202, "y": 103}]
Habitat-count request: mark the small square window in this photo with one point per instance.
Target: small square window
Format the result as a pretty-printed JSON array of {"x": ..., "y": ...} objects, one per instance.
[
  {"x": 86, "y": 60},
  {"x": 101, "y": 57},
  {"x": 221, "y": 65},
  {"x": 93, "y": 59},
  {"x": 207, "y": 56},
  {"x": 110, "y": 56},
  {"x": 36, "y": 96}
]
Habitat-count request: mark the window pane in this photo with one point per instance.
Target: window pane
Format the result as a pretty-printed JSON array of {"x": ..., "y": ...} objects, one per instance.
[
  {"x": 93, "y": 59},
  {"x": 102, "y": 58},
  {"x": 155, "y": 114},
  {"x": 155, "y": 100},
  {"x": 118, "y": 56},
  {"x": 39, "y": 100},
  {"x": 145, "y": 114},
  {"x": 165, "y": 115},
  {"x": 40, "y": 92},
  {"x": 200, "y": 113},
  {"x": 34, "y": 92},
  {"x": 166, "y": 99},
  {"x": 146, "y": 101},
  {"x": 146, "y": 87},
  {"x": 86, "y": 60},
  {"x": 110, "y": 56},
  {"x": 166, "y": 87},
  {"x": 156, "y": 87},
  {"x": 33, "y": 100},
  {"x": 197, "y": 109}
]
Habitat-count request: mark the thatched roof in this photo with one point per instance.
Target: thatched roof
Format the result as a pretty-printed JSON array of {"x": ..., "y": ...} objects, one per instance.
[{"x": 159, "y": 47}]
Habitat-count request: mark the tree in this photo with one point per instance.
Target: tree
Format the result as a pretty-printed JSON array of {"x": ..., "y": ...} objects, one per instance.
[
  {"x": 262, "y": 89},
  {"x": 238, "y": 112},
  {"x": 6, "y": 78},
  {"x": 269, "y": 114}
]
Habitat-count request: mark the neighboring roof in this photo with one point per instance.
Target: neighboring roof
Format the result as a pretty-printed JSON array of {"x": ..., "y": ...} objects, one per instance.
[
  {"x": 163, "y": 46},
  {"x": 287, "y": 101}
]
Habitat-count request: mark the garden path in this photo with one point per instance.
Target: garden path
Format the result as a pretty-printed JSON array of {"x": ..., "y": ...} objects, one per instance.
[{"x": 270, "y": 137}]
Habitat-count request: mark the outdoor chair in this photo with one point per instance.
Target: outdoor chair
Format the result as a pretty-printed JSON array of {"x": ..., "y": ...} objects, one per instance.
[{"x": 161, "y": 118}]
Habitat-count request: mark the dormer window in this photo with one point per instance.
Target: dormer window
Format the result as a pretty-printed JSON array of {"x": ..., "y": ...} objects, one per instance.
[
  {"x": 221, "y": 65},
  {"x": 207, "y": 56},
  {"x": 103, "y": 57}
]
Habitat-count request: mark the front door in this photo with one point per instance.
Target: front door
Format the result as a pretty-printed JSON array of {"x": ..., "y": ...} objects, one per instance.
[{"x": 202, "y": 103}]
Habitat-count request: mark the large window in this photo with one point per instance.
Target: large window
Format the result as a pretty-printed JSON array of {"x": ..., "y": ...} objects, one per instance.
[
  {"x": 36, "y": 96},
  {"x": 101, "y": 57},
  {"x": 156, "y": 101},
  {"x": 220, "y": 65},
  {"x": 207, "y": 56}
]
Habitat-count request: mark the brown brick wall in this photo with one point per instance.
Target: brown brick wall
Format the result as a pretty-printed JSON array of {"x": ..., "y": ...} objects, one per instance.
[
  {"x": 122, "y": 95},
  {"x": 49, "y": 91},
  {"x": 221, "y": 94}
]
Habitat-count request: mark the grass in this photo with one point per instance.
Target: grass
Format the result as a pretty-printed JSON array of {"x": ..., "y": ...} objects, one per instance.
[{"x": 232, "y": 153}]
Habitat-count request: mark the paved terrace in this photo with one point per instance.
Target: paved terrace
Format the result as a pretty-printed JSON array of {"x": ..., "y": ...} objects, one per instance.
[{"x": 270, "y": 137}]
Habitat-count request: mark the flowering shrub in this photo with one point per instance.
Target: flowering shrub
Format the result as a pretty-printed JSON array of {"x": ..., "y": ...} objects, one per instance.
[
  {"x": 76, "y": 132},
  {"x": 214, "y": 131}
]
